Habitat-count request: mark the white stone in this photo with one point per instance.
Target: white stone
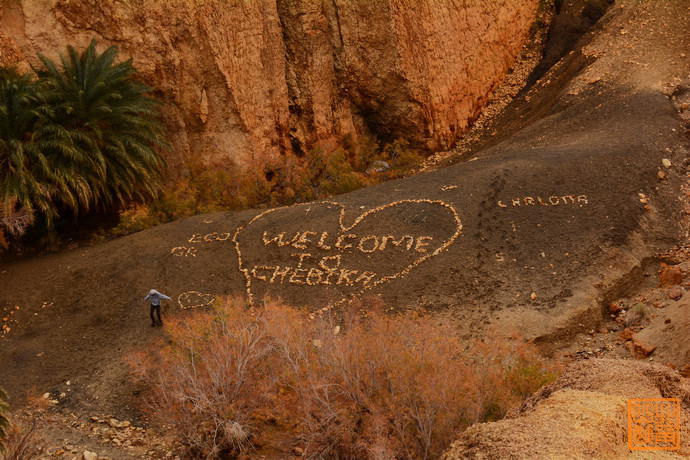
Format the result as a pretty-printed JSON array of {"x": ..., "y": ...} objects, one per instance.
[
  {"x": 86, "y": 455},
  {"x": 115, "y": 423},
  {"x": 666, "y": 162}
]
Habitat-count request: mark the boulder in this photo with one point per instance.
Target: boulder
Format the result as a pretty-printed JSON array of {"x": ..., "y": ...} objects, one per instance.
[{"x": 671, "y": 275}]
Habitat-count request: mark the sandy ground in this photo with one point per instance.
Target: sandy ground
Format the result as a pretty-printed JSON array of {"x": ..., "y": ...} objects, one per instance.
[{"x": 581, "y": 152}]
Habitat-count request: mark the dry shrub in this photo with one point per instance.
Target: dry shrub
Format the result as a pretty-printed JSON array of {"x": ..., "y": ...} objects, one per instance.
[
  {"x": 387, "y": 387},
  {"x": 369, "y": 385},
  {"x": 324, "y": 171},
  {"x": 14, "y": 222},
  {"x": 4, "y": 421},
  {"x": 638, "y": 314},
  {"x": 210, "y": 379},
  {"x": 508, "y": 371},
  {"x": 22, "y": 440},
  {"x": 4, "y": 244}
]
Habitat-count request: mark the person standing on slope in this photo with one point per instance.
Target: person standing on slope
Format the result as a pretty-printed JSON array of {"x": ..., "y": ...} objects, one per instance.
[{"x": 156, "y": 297}]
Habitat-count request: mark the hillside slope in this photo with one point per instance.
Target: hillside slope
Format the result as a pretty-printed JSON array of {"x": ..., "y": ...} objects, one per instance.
[
  {"x": 563, "y": 209},
  {"x": 533, "y": 234}
]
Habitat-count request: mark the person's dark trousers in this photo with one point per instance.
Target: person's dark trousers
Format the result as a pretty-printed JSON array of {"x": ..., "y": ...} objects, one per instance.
[{"x": 157, "y": 309}]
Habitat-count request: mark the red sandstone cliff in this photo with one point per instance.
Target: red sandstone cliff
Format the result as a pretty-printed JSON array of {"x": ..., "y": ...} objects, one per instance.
[{"x": 244, "y": 78}]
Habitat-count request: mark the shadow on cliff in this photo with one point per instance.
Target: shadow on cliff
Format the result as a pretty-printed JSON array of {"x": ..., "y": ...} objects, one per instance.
[{"x": 572, "y": 28}]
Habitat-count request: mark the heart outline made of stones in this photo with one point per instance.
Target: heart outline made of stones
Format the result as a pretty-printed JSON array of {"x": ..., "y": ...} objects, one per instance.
[{"x": 308, "y": 255}]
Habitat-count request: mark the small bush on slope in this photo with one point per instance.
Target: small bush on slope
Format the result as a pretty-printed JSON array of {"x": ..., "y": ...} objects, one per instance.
[
  {"x": 376, "y": 386},
  {"x": 272, "y": 181},
  {"x": 20, "y": 440}
]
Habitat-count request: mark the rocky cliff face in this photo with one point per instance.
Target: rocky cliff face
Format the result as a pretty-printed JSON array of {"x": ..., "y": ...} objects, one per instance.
[{"x": 246, "y": 78}]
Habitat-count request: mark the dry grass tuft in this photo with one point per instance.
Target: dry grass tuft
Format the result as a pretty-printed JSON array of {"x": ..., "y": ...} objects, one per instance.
[{"x": 22, "y": 440}]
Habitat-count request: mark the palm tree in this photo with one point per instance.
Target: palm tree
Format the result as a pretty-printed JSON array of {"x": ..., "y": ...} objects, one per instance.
[
  {"x": 109, "y": 117},
  {"x": 83, "y": 134},
  {"x": 30, "y": 143},
  {"x": 18, "y": 114},
  {"x": 4, "y": 422}
]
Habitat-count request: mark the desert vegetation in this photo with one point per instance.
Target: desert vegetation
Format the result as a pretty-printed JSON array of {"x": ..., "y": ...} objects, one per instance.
[
  {"x": 322, "y": 172},
  {"x": 73, "y": 136},
  {"x": 4, "y": 422},
  {"x": 365, "y": 384},
  {"x": 84, "y": 134},
  {"x": 20, "y": 440}
]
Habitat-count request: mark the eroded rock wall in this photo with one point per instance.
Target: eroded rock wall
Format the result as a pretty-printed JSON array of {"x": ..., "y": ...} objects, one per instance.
[{"x": 245, "y": 78}]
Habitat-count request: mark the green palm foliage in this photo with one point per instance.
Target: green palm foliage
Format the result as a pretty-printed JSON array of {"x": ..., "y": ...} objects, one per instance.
[
  {"x": 22, "y": 161},
  {"x": 109, "y": 117},
  {"x": 82, "y": 134},
  {"x": 39, "y": 161},
  {"x": 4, "y": 422}
]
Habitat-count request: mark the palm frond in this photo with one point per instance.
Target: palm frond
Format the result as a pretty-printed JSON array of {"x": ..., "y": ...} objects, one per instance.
[{"x": 84, "y": 134}]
